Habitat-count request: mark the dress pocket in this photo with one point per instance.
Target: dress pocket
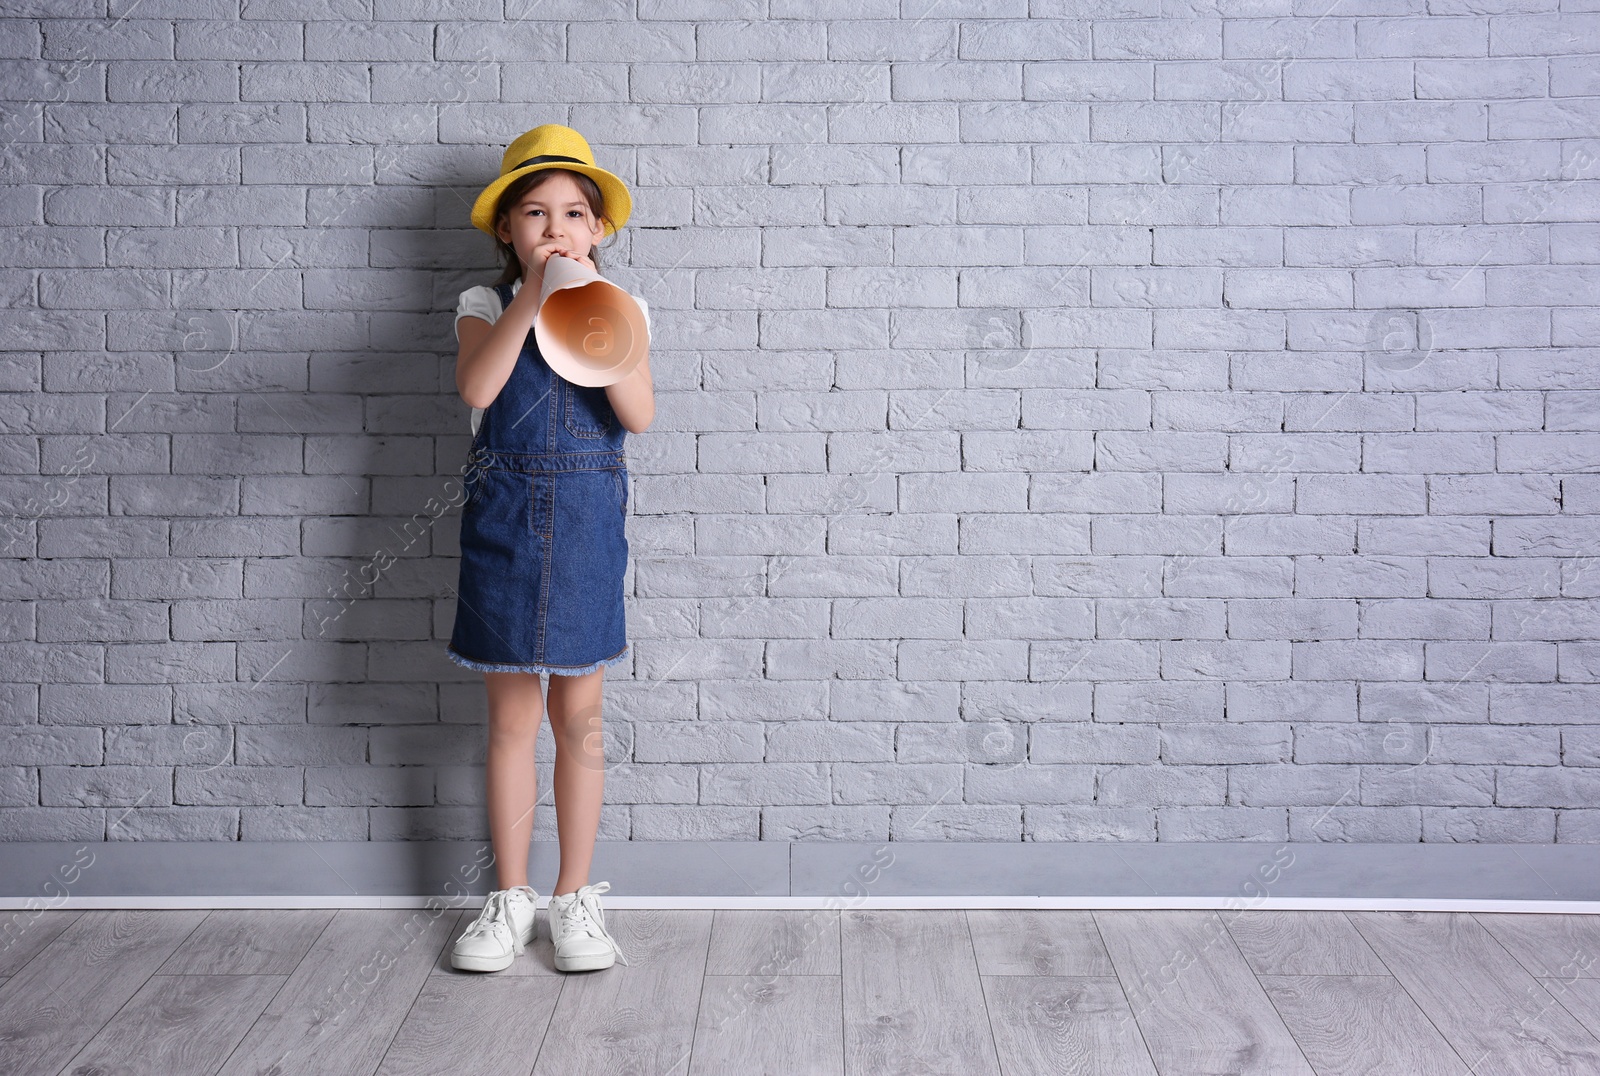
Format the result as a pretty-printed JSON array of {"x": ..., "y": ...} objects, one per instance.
[
  {"x": 586, "y": 411},
  {"x": 621, "y": 480},
  {"x": 473, "y": 482}
]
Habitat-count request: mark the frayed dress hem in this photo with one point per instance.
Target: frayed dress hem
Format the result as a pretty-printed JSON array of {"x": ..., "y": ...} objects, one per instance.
[{"x": 558, "y": 670}]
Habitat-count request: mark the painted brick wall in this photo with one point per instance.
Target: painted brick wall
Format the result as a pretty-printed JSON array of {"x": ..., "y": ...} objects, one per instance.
[{"x": 1077, "y": 421}]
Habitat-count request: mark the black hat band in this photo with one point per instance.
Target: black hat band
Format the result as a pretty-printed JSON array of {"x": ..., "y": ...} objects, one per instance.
[{"x": 544, "y": 157}]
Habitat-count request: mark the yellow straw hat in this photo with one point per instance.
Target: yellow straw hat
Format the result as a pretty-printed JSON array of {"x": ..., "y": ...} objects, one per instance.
[{"x": 551, "y": 145}]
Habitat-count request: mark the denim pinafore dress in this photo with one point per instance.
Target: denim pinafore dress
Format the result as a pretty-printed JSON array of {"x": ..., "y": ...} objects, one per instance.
[{"x": 543, "y": 542}]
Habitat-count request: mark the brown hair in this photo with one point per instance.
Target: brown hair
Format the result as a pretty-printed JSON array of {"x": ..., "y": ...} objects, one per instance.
[{"x": 511, "y": 266}]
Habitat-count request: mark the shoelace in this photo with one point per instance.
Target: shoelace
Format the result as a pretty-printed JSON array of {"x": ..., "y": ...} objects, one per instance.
[
  {"x": 495, "y": 913},
  {"x": 584, "y": 914}
]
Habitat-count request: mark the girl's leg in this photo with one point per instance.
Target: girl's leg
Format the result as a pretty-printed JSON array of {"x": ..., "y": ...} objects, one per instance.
[
  {"x": 580, "y": 772},
  {"x": 516, "y": 707}
]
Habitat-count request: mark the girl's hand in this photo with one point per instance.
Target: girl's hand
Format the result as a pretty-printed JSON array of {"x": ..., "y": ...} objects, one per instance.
[{"x": 565, "y": 253}]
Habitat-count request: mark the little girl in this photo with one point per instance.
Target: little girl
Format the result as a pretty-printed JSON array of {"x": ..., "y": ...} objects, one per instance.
[{"x": 543, "y": 549}]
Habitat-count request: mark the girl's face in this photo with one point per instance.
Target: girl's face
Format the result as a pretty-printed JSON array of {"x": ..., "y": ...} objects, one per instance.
[{"x": 552, "y": 215}]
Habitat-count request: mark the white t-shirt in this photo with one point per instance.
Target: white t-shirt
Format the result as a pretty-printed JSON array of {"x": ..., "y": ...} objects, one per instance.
[{"x": 483, "y": 302}]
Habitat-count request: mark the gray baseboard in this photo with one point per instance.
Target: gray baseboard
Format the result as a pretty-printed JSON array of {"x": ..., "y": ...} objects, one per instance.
[{"x": 711, "y": 874}]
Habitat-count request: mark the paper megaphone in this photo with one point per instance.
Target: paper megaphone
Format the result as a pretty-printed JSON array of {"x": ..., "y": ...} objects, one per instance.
[{"x": 590, "y": 331}]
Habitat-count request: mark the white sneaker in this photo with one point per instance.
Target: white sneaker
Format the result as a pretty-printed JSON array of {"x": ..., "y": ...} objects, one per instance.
[
  {"x": 578, "y": 929},
  {"x": 502, "y": 930}
]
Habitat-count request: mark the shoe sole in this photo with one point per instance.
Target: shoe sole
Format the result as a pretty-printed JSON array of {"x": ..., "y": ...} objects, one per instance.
[
  {"x": 480, "y": 963},
  {"x": 586, "y": 963}
]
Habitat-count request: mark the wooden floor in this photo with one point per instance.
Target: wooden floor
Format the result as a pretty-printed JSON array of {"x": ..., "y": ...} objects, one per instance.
[{"x": 1176, "y": 993}]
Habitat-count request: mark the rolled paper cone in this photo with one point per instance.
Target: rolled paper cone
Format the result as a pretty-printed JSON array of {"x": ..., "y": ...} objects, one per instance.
[{"x": 590, "y": 331}]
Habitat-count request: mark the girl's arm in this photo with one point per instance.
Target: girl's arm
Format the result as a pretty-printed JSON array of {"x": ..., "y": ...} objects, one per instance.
[
  {"x": 634, "y": 397},
  {"x": 489, "y": 352}
]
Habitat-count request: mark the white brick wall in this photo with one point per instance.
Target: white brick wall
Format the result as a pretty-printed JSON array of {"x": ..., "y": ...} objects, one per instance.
[{"x": 1075, "y": 422}]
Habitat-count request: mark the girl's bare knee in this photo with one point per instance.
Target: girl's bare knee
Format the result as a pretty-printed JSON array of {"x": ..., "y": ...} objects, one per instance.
[
  {"x": 516, "y": 706},
  {"x": 514, "y": 728}
]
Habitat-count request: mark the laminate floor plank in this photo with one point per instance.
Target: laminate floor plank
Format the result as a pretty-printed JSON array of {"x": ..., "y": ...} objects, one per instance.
[
  {"x": 62, "y": 997},
  {"x": 1028, "y": 941},
  {"x": 1548, "y": 946},
  {"x": 1485, "y": 1003},
  {"x": 637, "y": 1019},
  {"x": 1364, "y": 1024},
  {"x": 1302, "y": 943},
  {"x": 470, "y": 1022},
  {"x": 249, "y": 941},
  {"x": 178, "y": 1025},
  {"x": 1580, "y": 997},
  {"x": 913, "y": 1000},
  {"x": 783, "y": 941},
  {"x": 1064, "y": 1025},
  {"x": 775, "y": 1025},
  {"x": 25, "y": 932},
  {"x": 1196, "y": 1001},
  {"x": 341, "y": 1007}
]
